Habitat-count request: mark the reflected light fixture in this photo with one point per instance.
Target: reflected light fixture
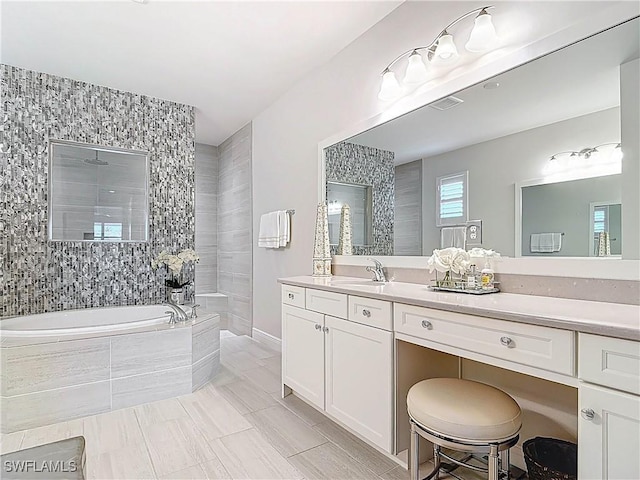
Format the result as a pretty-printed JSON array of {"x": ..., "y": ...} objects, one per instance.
[
  {"x": 442, "y": 50},
  {"x": 605, "y": 161}
]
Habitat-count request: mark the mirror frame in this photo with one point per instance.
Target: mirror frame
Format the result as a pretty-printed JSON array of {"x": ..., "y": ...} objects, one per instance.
[
  {"x": 607, "y": 268},
  {"x": 102, "y": 148}
]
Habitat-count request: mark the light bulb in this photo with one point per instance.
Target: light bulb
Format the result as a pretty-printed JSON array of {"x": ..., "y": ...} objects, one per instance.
[
  {"x": 390, "y": 88},
  {"x": 446, "y": 49},
  {"x": 483, "y": 36},
  {"x": 416, "y": 70}
]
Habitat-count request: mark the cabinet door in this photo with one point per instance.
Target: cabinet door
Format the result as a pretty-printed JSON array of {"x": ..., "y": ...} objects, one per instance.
[
  {"x": 359, "y": 381},
  {"x": 303, "y": 353},
  {"x": 608, "y": 443}
]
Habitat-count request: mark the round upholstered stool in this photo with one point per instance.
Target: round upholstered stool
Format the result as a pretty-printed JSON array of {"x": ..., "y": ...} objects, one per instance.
[{"x": 466, "y": 416}]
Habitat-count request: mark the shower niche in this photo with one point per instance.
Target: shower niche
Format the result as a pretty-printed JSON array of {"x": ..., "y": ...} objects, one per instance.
[{"x": 97, "y": 193}]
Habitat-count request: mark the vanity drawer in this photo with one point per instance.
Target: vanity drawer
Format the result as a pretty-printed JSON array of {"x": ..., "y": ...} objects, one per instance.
[
  {"x": 542, "y": 347},
  {"x": 369, "y": 311},
  {"x": 329, "y": 303},
  {"x": 293, "y": 295},
  {"x": 612, "y": 362}
]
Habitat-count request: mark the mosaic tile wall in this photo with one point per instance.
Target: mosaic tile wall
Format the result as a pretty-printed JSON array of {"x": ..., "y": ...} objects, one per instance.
[
  {"x": 351, "y": 163},
  {"x": 38, "y": 276}
]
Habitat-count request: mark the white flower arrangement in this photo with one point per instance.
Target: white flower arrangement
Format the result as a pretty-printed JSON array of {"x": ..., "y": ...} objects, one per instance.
[
  {"x": 450, "y": 259},
  {"x": 174, "y": 264},
  {"x": 483, "y": 253}
]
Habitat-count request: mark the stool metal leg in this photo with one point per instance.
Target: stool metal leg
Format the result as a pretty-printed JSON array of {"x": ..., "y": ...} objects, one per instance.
[
  {"x": 414, "y": 454},
  {"x": 494, "y": 471},
  {"x": 505, "y": 463},
  {"x": 436, "y": 461}
]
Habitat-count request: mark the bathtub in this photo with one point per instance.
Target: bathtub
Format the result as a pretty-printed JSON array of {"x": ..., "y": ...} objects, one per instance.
[
  {"x": 65, "y": 365},
  {"x": 84, "y": 321}
]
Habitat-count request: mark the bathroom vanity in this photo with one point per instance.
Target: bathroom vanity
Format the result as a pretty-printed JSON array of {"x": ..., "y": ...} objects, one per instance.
[{"x": 353, "y": 348}]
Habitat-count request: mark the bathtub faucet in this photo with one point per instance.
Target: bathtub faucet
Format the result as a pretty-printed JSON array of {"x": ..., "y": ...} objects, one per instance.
[{"x": 180, "y": 314}]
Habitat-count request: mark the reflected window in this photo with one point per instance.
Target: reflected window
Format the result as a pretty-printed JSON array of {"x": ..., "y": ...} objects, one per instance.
[
  {"x": 452, "y": 199},
  {"x": 359, "y": 199}
]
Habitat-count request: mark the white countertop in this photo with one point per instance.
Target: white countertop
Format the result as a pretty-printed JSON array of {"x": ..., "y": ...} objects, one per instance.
[{"x": 610, "y": 319}]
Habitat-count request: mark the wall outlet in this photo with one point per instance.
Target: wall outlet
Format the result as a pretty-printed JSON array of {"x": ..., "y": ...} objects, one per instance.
[{"x": 474, "y": 232}]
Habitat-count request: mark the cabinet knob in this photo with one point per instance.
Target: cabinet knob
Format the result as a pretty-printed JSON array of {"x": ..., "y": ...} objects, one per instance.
[
  {"x": 426, "y": 324},
  {"x": 506, "y": 341},
  {"x": 291, "y": 296},
  {"x": 587, "y": 413},
  {"x": 318, "y": 326},
  {"x": 366, "y": 313},
  {"x": 325, "y": 329}
]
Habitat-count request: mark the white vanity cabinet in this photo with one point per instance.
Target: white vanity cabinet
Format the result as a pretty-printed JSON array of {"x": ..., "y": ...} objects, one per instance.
[
  {"x": 609, "y": 404},
  {"x": 341, "y": 366}
]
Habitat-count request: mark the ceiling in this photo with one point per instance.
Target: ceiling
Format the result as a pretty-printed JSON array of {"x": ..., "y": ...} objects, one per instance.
[
  {"x": 580, "y": 79},
  {"x": 230, "y": 60}
]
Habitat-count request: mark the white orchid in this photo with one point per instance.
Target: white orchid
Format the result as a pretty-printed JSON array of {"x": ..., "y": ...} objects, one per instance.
[
  {"x": 175, "y": 263},
  {"x": 452, "y": 259}
]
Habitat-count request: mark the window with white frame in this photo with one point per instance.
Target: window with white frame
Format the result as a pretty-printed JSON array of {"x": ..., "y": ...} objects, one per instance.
[{"x": 451, "y": 199}]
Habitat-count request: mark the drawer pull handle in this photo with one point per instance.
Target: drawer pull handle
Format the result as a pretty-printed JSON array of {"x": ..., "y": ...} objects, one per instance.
[
  {"x": 426, "y": 324},
  {"x": 318, "y": 326},
  {"x": 366, "y": 313},
  {"x": 291, "y": 296},
  {"x": 325, "y": 329},
  {"x": 506, "y": 341},
  {"x": 587, "y": 413}
]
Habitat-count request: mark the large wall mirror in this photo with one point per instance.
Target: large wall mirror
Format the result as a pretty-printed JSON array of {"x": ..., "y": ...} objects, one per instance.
[
  {"x": 539, "y": 149},
  {"x": 97, "y": 194}
]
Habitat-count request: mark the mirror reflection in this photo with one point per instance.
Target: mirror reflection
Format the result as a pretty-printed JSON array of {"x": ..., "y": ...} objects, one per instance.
[
  {"x": 359, "y": 200},
  {"x": 97, "y": 194},
  {"x": 484, "y": 156}
]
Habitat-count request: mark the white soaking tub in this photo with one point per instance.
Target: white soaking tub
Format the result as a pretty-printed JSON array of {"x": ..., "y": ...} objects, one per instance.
[{"x": 64, "y": 365}]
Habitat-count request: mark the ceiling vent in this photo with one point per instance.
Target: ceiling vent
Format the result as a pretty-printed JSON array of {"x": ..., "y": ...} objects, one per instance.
[{"x": 446, "y": 103}]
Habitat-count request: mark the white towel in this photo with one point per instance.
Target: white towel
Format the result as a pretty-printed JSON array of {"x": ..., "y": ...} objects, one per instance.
[
  {"x": 269, "y": 230},
  {"x": 284, "y": 228},
  {"x": 453, "y": 237},
  {"x": 546, "y": 242}
]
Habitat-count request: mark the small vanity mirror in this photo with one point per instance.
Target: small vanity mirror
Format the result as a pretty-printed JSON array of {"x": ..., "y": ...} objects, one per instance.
[
  {"x": 97, "y": 194},
  {"x": 358, "y": 197}
]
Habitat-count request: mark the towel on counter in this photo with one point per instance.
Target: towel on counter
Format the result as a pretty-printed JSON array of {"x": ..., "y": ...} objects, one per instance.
[
  {"x": 545, "y": 242},
  {"x": 275, "y": 229}
]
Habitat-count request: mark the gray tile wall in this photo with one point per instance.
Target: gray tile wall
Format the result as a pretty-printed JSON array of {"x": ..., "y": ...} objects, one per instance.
[
  {"x": 351, "y": 163},
  {"x": 39, "y": 276},
  {"x": 407, "y": 225},
  {"x": 235, "y": 230},
  {"x": 207, "y": 218}
]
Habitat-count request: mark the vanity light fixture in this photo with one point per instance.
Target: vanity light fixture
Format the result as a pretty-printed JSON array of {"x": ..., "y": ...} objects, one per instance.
[
  {"x": 587, "y": 158},
  {"x": 442, "y": 50}
]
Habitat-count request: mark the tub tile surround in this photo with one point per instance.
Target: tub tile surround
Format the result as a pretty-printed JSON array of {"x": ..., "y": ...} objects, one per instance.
[
  {"x": 52, "y": 382},
  {"x": 70, "y": 275}
]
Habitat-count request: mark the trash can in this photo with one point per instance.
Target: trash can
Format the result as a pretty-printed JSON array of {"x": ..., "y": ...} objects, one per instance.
[{"x": 550, "y": 459}]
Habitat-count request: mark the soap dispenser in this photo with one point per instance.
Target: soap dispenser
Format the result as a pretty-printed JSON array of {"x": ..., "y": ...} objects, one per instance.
[{"x": 487, "y": 277}]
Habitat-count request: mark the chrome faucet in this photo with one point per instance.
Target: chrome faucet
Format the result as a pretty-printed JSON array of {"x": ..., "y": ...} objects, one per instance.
[
  {"x": 377, "y": 270},
  {"x": 178, "y": 315}
]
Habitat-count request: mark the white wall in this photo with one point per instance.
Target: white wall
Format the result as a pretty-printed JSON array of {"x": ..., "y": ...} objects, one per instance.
[
  {"x": 341, "y": 96},
  {"x": 497, "y": 165},
  {"x": 629, "y": 101}
]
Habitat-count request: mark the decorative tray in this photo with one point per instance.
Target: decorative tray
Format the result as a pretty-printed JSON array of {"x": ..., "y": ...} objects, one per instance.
[{"x": 461, "y": 289}]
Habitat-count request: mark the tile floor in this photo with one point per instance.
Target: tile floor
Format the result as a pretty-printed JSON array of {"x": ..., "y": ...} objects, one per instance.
[{"x": 237, "y": 427}]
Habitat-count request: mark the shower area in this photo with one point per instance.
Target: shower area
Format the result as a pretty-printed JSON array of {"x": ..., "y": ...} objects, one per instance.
[{"x": 224, "y": 229}]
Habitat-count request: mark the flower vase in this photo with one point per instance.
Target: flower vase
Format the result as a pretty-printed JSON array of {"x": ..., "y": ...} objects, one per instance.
[{"x": 176, "y": 295}]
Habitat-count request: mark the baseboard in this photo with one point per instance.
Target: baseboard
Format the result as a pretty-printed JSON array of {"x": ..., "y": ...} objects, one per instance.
[{"x": 270, "y": 341}]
